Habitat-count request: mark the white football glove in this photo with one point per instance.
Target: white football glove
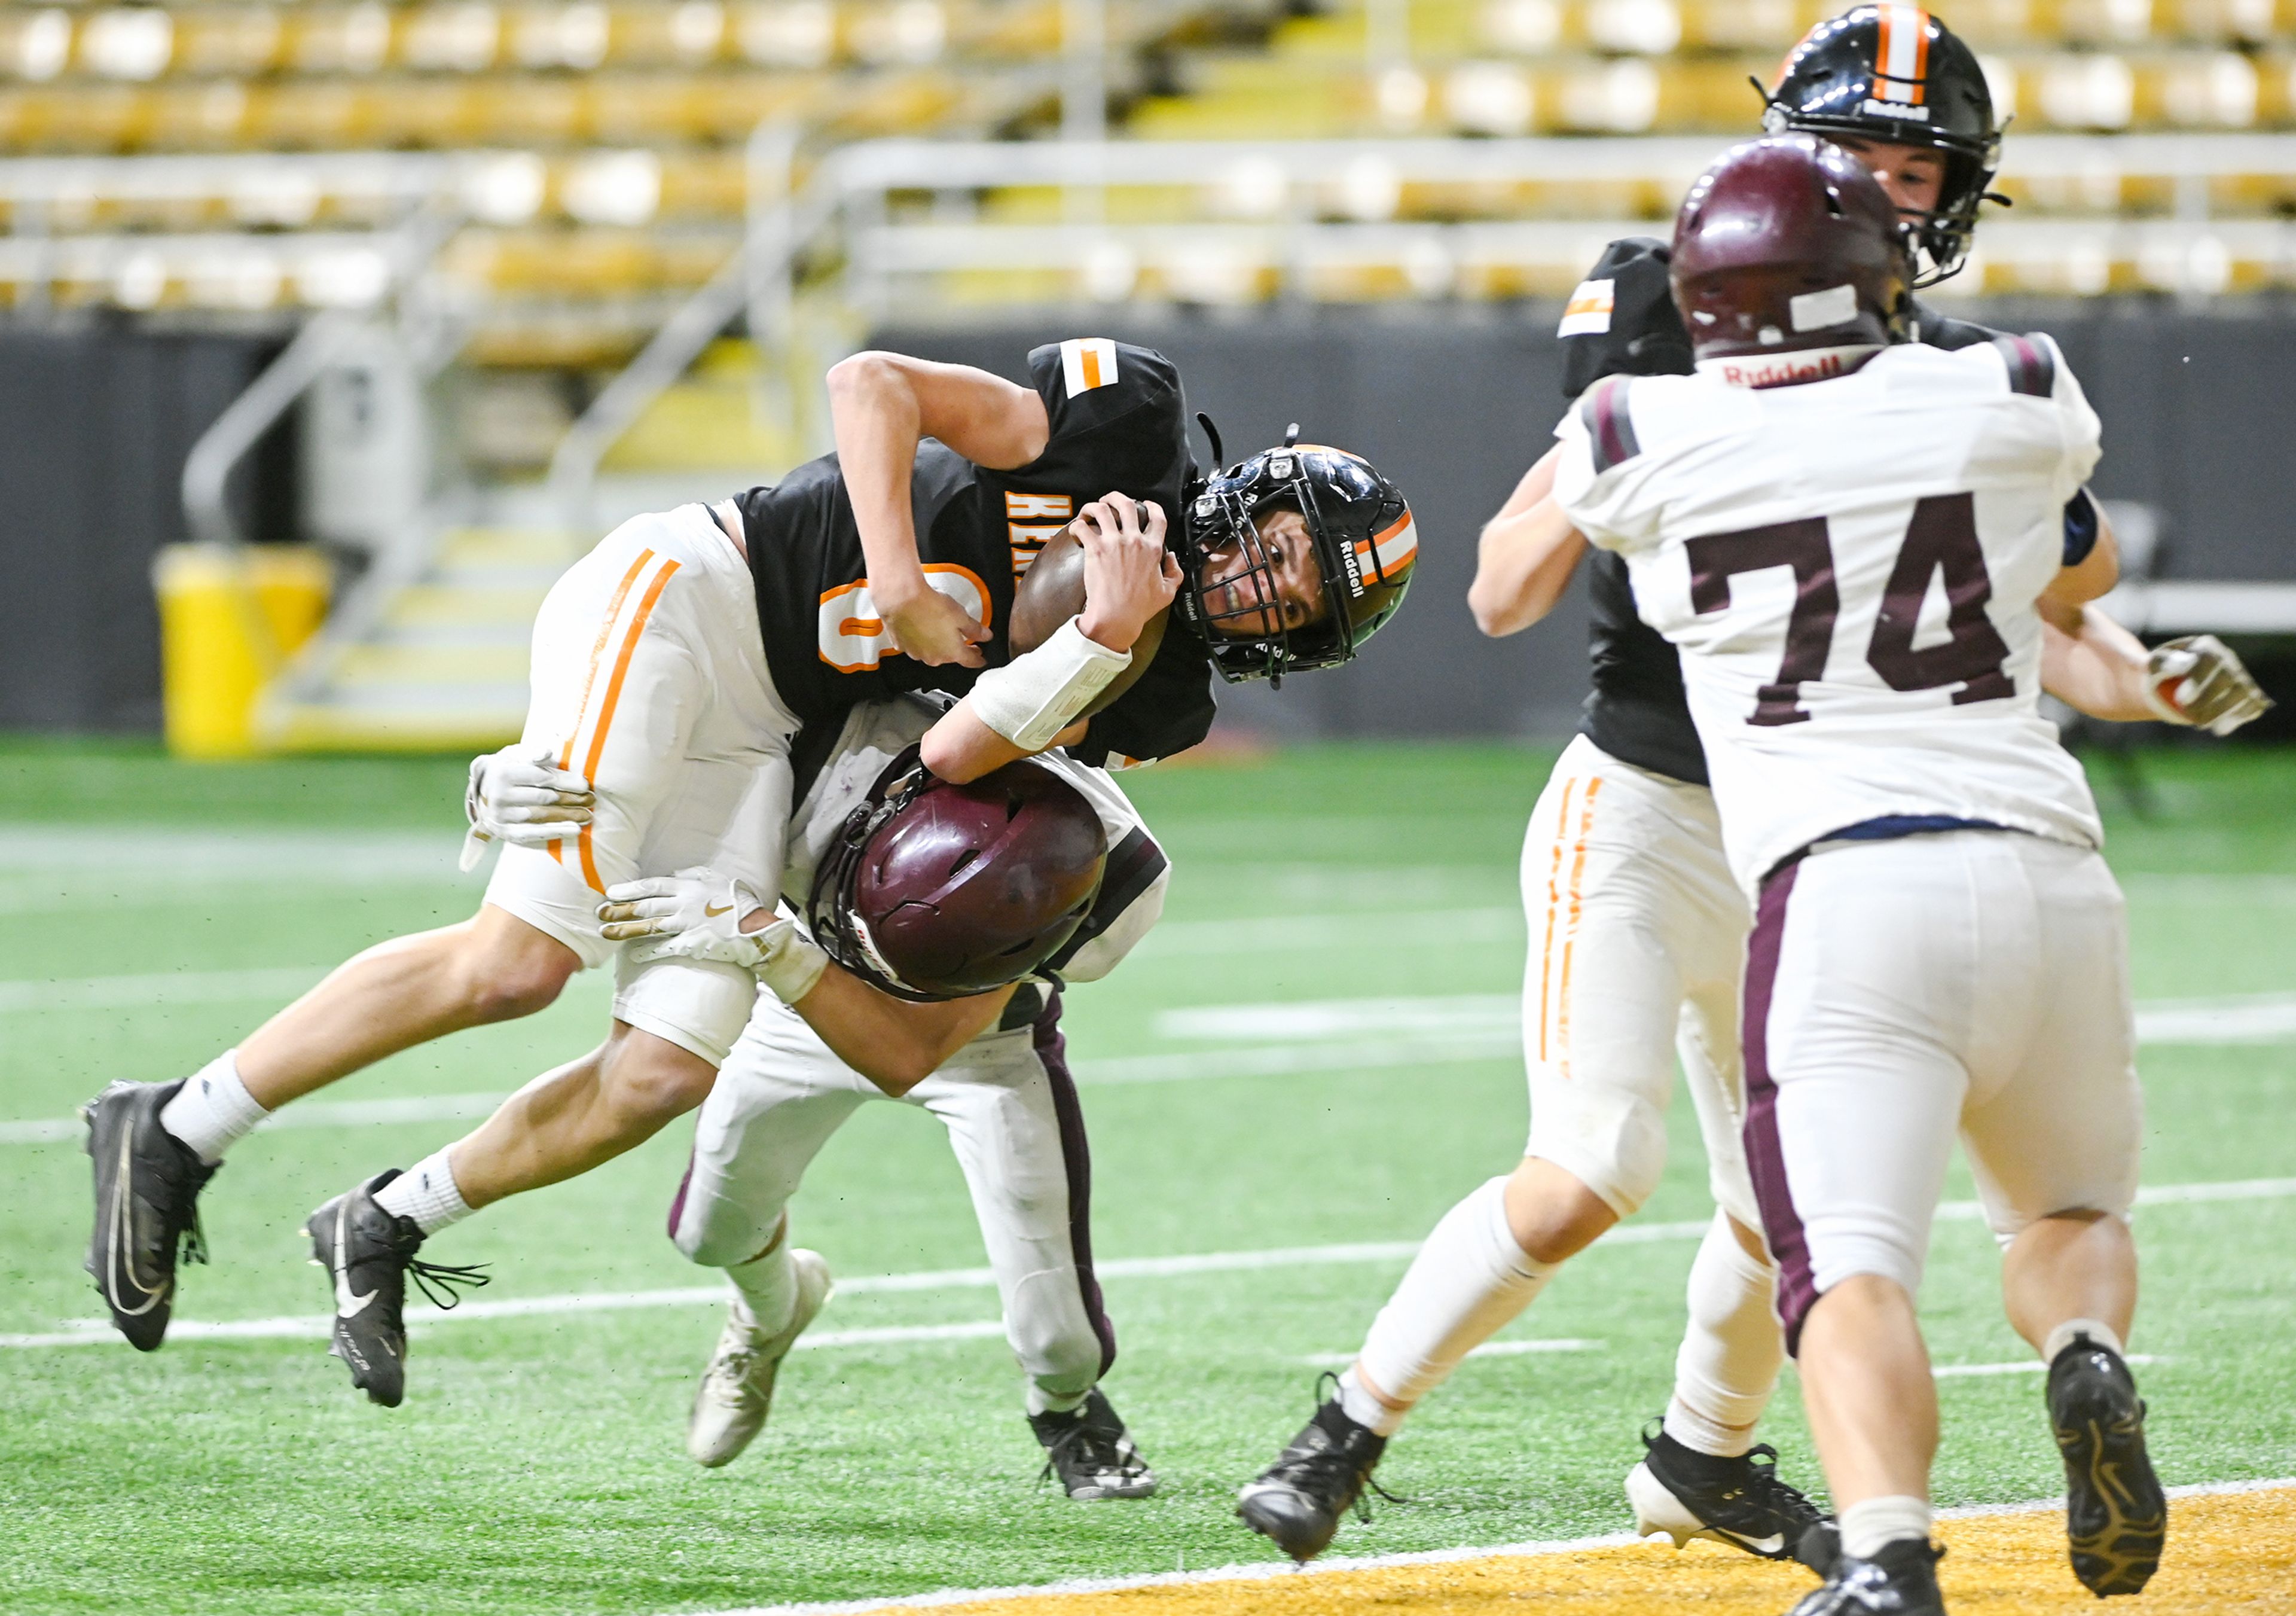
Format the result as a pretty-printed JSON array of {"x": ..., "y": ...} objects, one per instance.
[
  {"x": 2200, "y": 680},
  {"x": 520, "y": 796},
  {"x": 697, "y": 914}
]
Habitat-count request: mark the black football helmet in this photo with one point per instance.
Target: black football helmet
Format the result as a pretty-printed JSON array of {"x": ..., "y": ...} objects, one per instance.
[
  {"x": 1366, "y": 547},
  {"x": 933, "y": 890},
  {"x": 1895, "y": 73}
]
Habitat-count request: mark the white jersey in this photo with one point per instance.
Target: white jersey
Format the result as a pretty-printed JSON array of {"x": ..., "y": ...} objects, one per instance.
[
  {"x": 1131, "y": 893},
  {"x": 1849, "y": 567}
]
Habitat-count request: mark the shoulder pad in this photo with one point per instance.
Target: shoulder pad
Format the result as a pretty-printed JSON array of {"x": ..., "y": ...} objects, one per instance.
[{"x": 1621, "y": 321}]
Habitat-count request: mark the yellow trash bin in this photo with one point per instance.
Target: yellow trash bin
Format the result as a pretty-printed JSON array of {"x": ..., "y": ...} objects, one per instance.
[{"x": 229, "y": 619}]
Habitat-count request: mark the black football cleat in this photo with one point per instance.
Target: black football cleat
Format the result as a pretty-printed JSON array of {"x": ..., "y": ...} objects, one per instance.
[
  {"x": 1900, "y": 1580},
  {"x": 1297, "y": 1501},
  {"x": 2116, "y": 1515},
  {"x": 147, "y": 1192},
  {"x": 1740, "y": 1501},
  {"x": 1091, "y": 1452},
  {"x": 370, "y": 1253}
]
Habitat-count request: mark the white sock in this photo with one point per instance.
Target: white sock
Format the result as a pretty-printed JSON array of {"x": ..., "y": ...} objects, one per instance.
[
  {"x": 768, "y": 1286},
  {"x": 1469, "y": 1281},
  {"x": 213, "y": 1111},
  {"x": 1041, "y": 1401},
  {"x": 1870, "y": 1527},
  {"x": 2065, "y": 1334},
  {"x": 1731, "y": 1355},
  {"x": 426, "y": 1193},
  {"x": 1366, "y": 1410}
]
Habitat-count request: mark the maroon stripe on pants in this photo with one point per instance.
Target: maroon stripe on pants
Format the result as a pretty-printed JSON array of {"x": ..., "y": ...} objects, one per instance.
[
  {"x": 1076, "y": 1158},
  {"x": 1781, "y": 1224},
  {"x": 678, "y": 1201}
]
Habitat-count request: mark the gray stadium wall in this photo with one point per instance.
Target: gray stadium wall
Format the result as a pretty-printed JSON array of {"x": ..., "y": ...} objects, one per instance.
[
  {"x": 2199, "y": 410},
  {"x": 95, "y": 422},
  {"x": 95, "y": 426}
]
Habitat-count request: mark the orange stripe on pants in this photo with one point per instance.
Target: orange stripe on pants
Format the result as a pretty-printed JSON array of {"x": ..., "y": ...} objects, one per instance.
[
  {"x": 597, "y": 655},
  {"x": 1571, "y": 935},
  {"x": 613, "y": 698},
  {"x": 1554, "y": 897}
]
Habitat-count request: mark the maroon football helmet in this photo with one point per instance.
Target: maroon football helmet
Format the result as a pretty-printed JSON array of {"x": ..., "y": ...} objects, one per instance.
[
  {"x": 1790, "y": 242},
  {"x": 935, "y": 891}
]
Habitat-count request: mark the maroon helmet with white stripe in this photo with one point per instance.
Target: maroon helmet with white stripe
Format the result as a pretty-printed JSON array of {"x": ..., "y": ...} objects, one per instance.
[{"x": 1790, "y": 242}]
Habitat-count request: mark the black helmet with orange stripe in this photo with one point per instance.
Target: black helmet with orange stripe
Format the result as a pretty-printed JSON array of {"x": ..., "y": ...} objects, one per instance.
[
  {"x": 1895, "y": 73},
  {"x": 1365, "y": 548}
]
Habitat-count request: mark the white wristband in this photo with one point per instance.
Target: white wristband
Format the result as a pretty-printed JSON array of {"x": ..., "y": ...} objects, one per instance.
[
  {"x": 1036, "y": 695},
  {"x": 790, "y": 963}
]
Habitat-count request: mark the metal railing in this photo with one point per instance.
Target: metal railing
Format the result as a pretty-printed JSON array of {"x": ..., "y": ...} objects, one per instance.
[{"x": 848, "y": 196}]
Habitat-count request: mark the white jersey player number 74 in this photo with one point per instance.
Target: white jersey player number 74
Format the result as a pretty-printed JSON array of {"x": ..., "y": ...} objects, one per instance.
[{"x": 1835, "y": 651}]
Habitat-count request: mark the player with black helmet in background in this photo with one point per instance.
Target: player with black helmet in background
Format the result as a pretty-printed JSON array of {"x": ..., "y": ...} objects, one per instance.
[{"x": 1637, "y": 928}]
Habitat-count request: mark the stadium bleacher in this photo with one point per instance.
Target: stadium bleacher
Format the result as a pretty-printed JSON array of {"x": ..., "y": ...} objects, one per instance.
[{"x": 535, "y": 191}]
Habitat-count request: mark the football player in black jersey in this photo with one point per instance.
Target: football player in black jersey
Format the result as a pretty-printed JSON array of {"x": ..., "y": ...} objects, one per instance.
[
  {"x": 678, "y": 667},
  {"x": 1636, "y": 926}
]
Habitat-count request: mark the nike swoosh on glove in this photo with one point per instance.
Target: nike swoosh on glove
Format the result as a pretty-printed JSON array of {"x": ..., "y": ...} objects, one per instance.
[
  {"x": 518, "y": 795},
  {"x": 697, "y": 914},
  {"x": 2198, "y": 679}
]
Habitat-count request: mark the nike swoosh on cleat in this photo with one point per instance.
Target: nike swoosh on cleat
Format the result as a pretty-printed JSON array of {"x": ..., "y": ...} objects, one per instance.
[
  {"x": 346, "y": 1305},
  {"x": 122, "y": 1240}
]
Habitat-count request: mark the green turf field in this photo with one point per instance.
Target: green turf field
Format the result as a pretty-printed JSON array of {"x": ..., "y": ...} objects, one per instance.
[{"x": 154, "y": 911}]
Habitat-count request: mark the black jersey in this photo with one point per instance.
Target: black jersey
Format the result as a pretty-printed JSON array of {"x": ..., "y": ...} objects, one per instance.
[
  {"x": 1119, "y": 424},
  {"x": 1622, "y": 321}
]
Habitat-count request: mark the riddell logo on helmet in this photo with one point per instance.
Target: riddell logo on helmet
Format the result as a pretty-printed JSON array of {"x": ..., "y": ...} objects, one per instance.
[
  {"x": 1355, "y": 571},
  {"x": 1896, "y": 109}
]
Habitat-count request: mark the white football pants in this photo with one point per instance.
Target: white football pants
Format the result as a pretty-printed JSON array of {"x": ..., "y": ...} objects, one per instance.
[
  {"x": 648, "y": 680},
  {"x": 1637, "y": 937},
  {"x": 1900, "y": 991},
  {"x": 1011, "y": 1110}
]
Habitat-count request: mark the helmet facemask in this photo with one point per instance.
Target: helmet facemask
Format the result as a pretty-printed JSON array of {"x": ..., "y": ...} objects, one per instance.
[
  {"x": 1223, "y": 517},
  {"x": 1934, "y": 96}
]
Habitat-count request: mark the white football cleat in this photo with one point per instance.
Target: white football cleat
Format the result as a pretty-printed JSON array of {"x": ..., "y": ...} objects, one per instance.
[{"x": 737, "y": 1390}]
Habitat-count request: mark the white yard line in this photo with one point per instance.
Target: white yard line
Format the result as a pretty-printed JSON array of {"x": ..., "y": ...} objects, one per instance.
[
  {"x": 1448, "y": 1032},
  {"x": 2031, "y": 1366},
  {"x": 2259, "y": 1018},
  {"x": 321, "y": 1113},
  {"x": 1268, "y": 1570},
  {"x": 93, "y": 1332},
  {"x": 1340, "y": 1360}
]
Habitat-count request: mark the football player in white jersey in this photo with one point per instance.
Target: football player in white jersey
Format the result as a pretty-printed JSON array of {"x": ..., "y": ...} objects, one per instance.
[
  {"x": 1006, "y": 1097},
  {"x": 1851, "y": 538},
  {"x": 1637, "y": 928}
]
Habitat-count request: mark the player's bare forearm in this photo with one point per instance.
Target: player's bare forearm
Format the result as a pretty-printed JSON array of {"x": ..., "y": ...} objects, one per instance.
[
  {"x": 960, "y": 748},
  {"x": 2091, "y": 663},
  {"x": 1524, "y": 565},
  {"x": 881, "y": 405},
  {"x": 894, "y": 1044}
]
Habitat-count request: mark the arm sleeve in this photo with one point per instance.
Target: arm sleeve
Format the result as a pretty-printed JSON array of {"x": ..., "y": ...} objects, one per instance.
[{"x": 2080, "y": 528}]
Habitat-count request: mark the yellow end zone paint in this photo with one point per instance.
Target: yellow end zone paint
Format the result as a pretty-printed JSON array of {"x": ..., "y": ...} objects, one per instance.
[{"x": 2229, "y": 1555}]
